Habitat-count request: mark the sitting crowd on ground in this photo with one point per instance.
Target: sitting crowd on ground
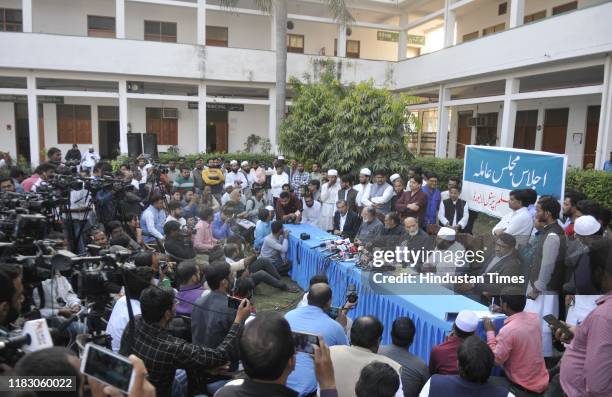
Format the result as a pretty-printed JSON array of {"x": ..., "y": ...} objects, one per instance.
[{"x": 203, "y": 237}]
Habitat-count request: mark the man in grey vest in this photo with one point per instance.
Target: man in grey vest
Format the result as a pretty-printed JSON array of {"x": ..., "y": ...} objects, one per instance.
[{"x": 380, "y": 194}]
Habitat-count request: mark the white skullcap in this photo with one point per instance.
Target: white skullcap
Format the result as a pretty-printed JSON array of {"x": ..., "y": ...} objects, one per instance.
[
  {"x": 365, "y": 171},
  {"x": 586, "y": 225},
  {"x": 147, "y": 166},
  {"x": 244, "y": 163},
  {"x": 233, "y": 162},
  {"x": 332, "y": 172},
  {"x": 393, "y": 177},
  {"x": 466, "y": 321},
  {"x": 446, "y": 233},
  {"x": 270, "y": 208},
  {"x": 91, "y": 147},
  {"x": 281, "y": 157}
]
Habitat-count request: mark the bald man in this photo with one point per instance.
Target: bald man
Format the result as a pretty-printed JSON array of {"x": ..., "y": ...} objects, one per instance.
[{"x": 416, "y": 239}]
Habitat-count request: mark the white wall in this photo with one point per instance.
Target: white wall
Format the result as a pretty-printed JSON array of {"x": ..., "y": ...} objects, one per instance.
[
  {"x": 316, "y": 36},
  {"x": 254, "y": 120},
  {"x": 244, "y": 31},
  {"x": 8, "y": 137},
  {"x": 371, "y": 48},
  {"x": 68, "y": 16}
]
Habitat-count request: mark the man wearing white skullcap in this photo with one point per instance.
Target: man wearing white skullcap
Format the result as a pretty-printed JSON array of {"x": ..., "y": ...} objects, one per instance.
[
  {"x": 443, "y": 357},
  {"x": 587, "y": 230},
  {"x": 448, "y": 254},
  {"x": 235, "y": 178},
  {"x": 393, "y": 177},
  {"x": 329, "y": 196},
  {"x": 363, "y": 187},
  {"x": 245, "y": 169}
]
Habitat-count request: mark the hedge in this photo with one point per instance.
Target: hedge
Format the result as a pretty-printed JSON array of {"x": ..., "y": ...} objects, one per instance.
[{"x": 191, "y": 158}]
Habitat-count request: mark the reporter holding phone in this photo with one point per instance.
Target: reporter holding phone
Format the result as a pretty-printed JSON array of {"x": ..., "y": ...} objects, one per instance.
[{"x": 163, "y": 353}]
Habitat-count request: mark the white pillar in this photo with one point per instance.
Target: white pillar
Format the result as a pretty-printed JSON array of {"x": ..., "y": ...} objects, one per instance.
[
  {"x": 272, "y": 34},
  {"x": 272, "y": 120},
  {"x": 123, "y": 116},
  {"x": 443, "y": 117},
  {"x": 540, "y": 127},
  {"x": 506, "y": 138},
  {"x": 517, "y": 13},
  {"x": 26, "y": 15},
  {"x": 202, "y": 123},
  {"x": 402, "y": 41},
  {"x": 33, "y": 121},
  {"x": 341, "y": 47},
  {"x": 201, "y": 22},
  {"x": 604, "y": 141},
  {"x": 120, "y": 20},
  {"x": 452, "y": 134},
  {"x": 449, "y": 24}
]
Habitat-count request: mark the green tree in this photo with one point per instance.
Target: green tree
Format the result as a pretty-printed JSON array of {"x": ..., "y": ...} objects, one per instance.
[
  {"x": 370, "y": 127},
  {"x": 305, "y": 130}
]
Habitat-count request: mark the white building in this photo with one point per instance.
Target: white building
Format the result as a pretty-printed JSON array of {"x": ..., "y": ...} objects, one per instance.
[{"x": 202, "y": 77}]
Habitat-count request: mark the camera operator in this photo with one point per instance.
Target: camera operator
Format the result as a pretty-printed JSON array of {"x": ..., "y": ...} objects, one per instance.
[
  {"x": 45, "y": 173},
  {"x": 54, "y": 156},
  {"x": 98, "y": 237},
  {"x": 119, "y": 237},
  {"x": 73, "y": 155},
  {"x": 77, "y": 224},
  {"x": 151, "y": 259},
  {"x": 11, "y": 296},
  {"x": 178, "y": 245},
  {"x": 7, "y": 185},
  {"x": 105, "y": 208},
  {"x": 58, "y": 303}
]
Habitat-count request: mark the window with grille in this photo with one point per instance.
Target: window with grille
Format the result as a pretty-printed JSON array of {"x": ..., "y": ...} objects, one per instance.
[
  {"x": 73, "y": 124},
  {"x": 295, "y": 43},
  {"x": 352, "y": 48},
  {"x": 10, "y": 20},
  {"x": 164, "y": 123},
  {"x": 216, "y": 36},
  {"x": 98, "y": 26},
  {"x": 160, "y": 31}
]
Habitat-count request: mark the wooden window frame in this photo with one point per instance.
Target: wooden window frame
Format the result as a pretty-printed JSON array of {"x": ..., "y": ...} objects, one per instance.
[
  {"x": 164, "y": 137},
  {"x": 4, "y": 24},
  {"x": 494, "y": 27},
  {"x": 466, "y": 37},
  {"x": 80, "y": 127},
  {"x": 348, "y": 54},
  {"x": 532, "y": 17},
  {"x": 296, "y": 50},
  {"x": 560, "y": 9},
  {"x": 217, "y": 43},
  {"x": 93, "y": 32},
  {"x": 160, "y": 37}
]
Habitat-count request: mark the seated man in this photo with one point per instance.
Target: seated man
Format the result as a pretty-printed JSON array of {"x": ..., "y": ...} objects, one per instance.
[
  {"x": 163, "y": 353},
  {"x": 346, "y": 222},
  {"x": 377, "y": 380},
  {"x": 371, "y": 227},
  {"x": 176, "y": 244},
  {"x": 152, "y": 220},
  {"x": 137, "y": 280},
  {"x": 443, "y": 357},
  {"x": 414, "y": 373},
  {"x": 190, "y": 281},
  {"x": 120, "y": 237},
  {"x": 203, "y": 240},
  {"x": 174, "y": 213},
  {"x": 288, "y": 207},
  {"x": 445, "y": 258},
  {"x": 58, "y": 304},
  {"x": 275, "y": 248},
  {"x": 220, "y": 225},
  {"x": 475, "y": 364},
  {"x": 366, "y": 334},
  {"x": 311, "y": 210},
  {"x": 263, "y": 227},
  {"x": 268, "y": 356},
  {"x": 416, "y": 239},
  {"x": 313, "y": 319}
]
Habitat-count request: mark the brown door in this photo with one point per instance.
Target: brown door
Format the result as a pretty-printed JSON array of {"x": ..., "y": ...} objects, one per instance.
[
  {"x": 464, "y": 133},
  {"x": 217, "y": 131},
  {"x": 590, "y": 141},
  {"x": 525, "y": 129},
  {"x": 555, "y": 130}
]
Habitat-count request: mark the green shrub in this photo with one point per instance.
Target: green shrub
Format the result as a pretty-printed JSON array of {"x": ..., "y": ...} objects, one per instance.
[
  {"x": 191, "y": 158},
  {"x": 596, "y": 185},
  {"x": 443, "y": 168}
]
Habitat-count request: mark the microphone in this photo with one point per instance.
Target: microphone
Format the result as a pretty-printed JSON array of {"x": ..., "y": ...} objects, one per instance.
[{"x": 16, "y": 342}]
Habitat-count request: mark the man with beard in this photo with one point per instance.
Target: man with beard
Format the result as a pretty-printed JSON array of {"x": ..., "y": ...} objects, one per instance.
[
  {"x": 363, "y": 187},
  {"x": 329, "y": 197},
  {"x": 299, "y": 178},
  {"x": 416, "y": 239},
  {"x": 245, "y": 170},
  {"x": 380, "y": 194},
  {"x": 198, "y": 180},
  {"x": 235, "y": 178},
  {"x": 569, "y": 210},
  {"x": 547, "y": 270}
]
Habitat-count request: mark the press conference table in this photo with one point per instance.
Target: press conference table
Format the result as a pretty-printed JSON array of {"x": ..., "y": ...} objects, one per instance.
[{"x": 428, "y": 312}]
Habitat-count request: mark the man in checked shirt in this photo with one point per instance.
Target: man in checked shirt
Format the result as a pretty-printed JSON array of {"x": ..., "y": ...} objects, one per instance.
[{"x": 163, "y": 353}]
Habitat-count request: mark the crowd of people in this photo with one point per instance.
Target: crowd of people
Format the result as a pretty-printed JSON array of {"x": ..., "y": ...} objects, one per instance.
[{"x": 204, "y": 236}]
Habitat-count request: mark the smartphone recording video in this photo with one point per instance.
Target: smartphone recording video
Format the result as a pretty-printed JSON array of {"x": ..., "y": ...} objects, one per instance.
[
  {"x": 233, "y": 303},
  {"x": 108, "y": 367},
  {"x": 303, "y": 342}
]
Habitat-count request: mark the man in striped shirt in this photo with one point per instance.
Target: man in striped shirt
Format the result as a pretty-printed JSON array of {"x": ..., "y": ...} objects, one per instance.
[{"x": 184, "y": 182}]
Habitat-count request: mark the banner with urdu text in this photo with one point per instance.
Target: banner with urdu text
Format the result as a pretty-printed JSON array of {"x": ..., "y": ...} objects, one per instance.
[{"x": 490, "y": 173}]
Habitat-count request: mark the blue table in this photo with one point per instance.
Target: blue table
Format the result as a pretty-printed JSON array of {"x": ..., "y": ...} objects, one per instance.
[{"x": 426, "y": 311}]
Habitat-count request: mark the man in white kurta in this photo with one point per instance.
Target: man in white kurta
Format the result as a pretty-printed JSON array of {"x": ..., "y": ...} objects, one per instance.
[
  {"x": 329, "y": 196},
  {"x": 363, "y": 187}
]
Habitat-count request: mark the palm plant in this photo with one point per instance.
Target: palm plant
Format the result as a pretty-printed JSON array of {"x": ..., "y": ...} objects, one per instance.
[{"x": 278, "y": 9}]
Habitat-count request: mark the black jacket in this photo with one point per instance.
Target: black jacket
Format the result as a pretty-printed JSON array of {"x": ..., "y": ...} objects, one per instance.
[{"x": 351, "y": 225}]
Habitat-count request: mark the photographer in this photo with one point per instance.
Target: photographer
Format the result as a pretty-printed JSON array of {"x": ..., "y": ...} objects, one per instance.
[
  {"x": 178, "y": 245},
  {"x": 73, "y": 155},
  {"x": 119, "y": 237},
  {"x": 11, "y": 296},
  {"x": 59, "y": 304},
  {"x": 105, "y": 208},
  {"x": 77, "y": 224},
  {"x": 7, "y": 185},
  {"x": 45, "y": 173}
]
